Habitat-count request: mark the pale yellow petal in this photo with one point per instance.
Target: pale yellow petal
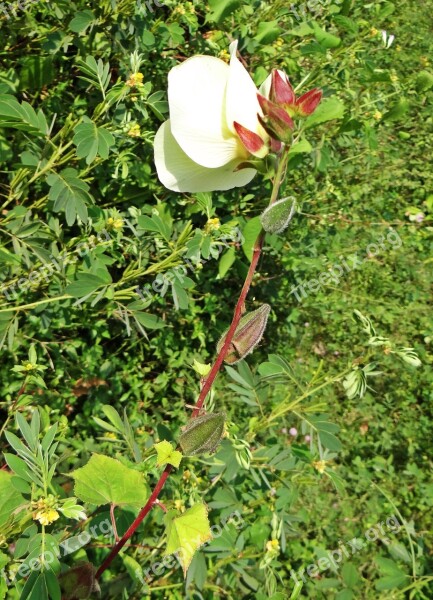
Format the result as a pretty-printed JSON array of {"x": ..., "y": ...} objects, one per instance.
[
  {"x": 242, "y": 105},
  {"x": 196, "y": 96},
  {"x": 181, "y": 174}
]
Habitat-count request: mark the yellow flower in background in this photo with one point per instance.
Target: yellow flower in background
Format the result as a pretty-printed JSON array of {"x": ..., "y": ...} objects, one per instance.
[
  {"x": 320, "y": 465},
  {"x": 45, "y": 511},
  {"x": 135, "y": 79},
  {"x": 47, "y": 516},
  {"x": 134, "y": 131},
  {"x": 273, "y": 546},
  {"x": 212, "y": 225}
]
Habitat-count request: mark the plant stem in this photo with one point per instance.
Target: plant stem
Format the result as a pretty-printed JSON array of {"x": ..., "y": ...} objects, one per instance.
[
  {"x": 33, "y": 304},
  {"x": 279, "y": 176}
]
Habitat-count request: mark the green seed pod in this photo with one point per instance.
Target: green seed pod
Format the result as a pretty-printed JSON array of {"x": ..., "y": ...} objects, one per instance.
[
  {"x": 202, "y": 434},
  {"x": 247, "y": 335},
  {"x": 277, "y": 217}
]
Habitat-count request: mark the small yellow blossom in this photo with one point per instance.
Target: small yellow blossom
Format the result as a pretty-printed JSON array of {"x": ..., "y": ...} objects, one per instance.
[
  {"x": 394, "y": 77},
  {"x": 377, "y": 115},
  {"x": 425, "y": 61},
  {"x": 134, "y": 131},
  {"x": 186, "y": 475},
  {"x": 374, "y": 31},
  {"x": 135, "y": 79},
  {"x": 178, "y": 504},
  {"x": 113, "y": 223},
  {"x": 111, "y": 435},
  {"x": 45, "y": 512},
  {"x": 320, "y": 465},
  {"x": 180, "y": 10},
  {"x": 212, "y": 225},
  {"x": 279, "y": 42},
  {"x": 28, "y": 366},
  {"x": 273, "y": 546},
  {"x": 47, "y": 516}
]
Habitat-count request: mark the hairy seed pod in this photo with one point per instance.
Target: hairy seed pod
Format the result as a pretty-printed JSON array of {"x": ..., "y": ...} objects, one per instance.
[
  {"x": 248, "y": 334},
  {"x": 202, "y": 434}
]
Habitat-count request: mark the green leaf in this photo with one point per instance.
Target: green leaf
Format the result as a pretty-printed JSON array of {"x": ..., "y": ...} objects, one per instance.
[
  {"x": 391, "y": 582},
  {"x": 81, "y": 21},
  {"x": 330, "y": 441},
  {"x": 301, "y": 147},
  {"x": 167, "y": 454},
  {"x": 105, "y": 480},
  {"x": 325, "y": 39},
  {"x": 398, "y": 110},
  {"x": 424, "y": 81},
  {"x": 86, "y": 283},
  {"x": 276, "y": 218},
  {"x": 350, "y": 575},
  {"x": 267, "y": 32},
  {"x": 399, "y": 552},
  {"x": 226, "y": 261},
  {"x": 186, "y": 533},
  {"x": 222, "y": 9},
  {"x": 10, "y": 498},
  {"x": 69, "y": 194},
  {"x": 393, "y": 578},
  {"x": 328, "y": 109},
  {"x": 250, "y": 233},
  {"x": 21, "y": 116},
  {"x": 155, "y": 223},
  {"x": 96, "y": 73},
  {"x": 148, "y": 320},
  {"x": 92, "y": 141}
]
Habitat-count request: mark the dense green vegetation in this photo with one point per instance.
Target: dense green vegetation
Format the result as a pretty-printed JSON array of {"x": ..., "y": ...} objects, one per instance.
[{"x": 328, "y": 432}]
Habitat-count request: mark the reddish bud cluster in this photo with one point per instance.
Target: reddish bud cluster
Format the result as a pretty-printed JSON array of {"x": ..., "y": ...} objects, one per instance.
[
  {"x": 283, "y": 94},
  {"x": 277, "y": 119},
  {"x": 283, "y": 105}
]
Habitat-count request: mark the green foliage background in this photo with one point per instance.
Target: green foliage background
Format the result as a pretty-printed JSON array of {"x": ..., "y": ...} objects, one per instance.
[{"x": 78, "y": 182}]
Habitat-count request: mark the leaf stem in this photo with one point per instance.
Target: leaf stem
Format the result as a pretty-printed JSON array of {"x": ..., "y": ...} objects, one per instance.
[{"x": 279, "y": 177}]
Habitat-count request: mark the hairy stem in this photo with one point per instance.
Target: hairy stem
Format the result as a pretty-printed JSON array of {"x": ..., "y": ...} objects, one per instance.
[{"x": 279, "y": 176}]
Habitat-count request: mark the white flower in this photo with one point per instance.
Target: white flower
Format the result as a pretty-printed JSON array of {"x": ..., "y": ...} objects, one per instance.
[
  {"x": 387, "y": 40},
  {"x": 213, "y": 126}
]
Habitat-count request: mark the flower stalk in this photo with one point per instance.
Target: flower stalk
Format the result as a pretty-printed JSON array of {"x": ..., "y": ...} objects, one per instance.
[{"x": 238, "y": 312}]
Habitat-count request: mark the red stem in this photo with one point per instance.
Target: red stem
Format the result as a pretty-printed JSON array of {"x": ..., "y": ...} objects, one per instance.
[
  {"x": 258, "y": 245},
  {"x": 204, "y": 392}
]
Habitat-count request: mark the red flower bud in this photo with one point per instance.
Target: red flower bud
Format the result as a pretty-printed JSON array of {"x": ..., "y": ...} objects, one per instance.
[
  {"x": 307, "y": 104},
  {"x": 252, "y": 142},
  {"x": 277, "y": 122},
  {"x": 281, "y": 90}
]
